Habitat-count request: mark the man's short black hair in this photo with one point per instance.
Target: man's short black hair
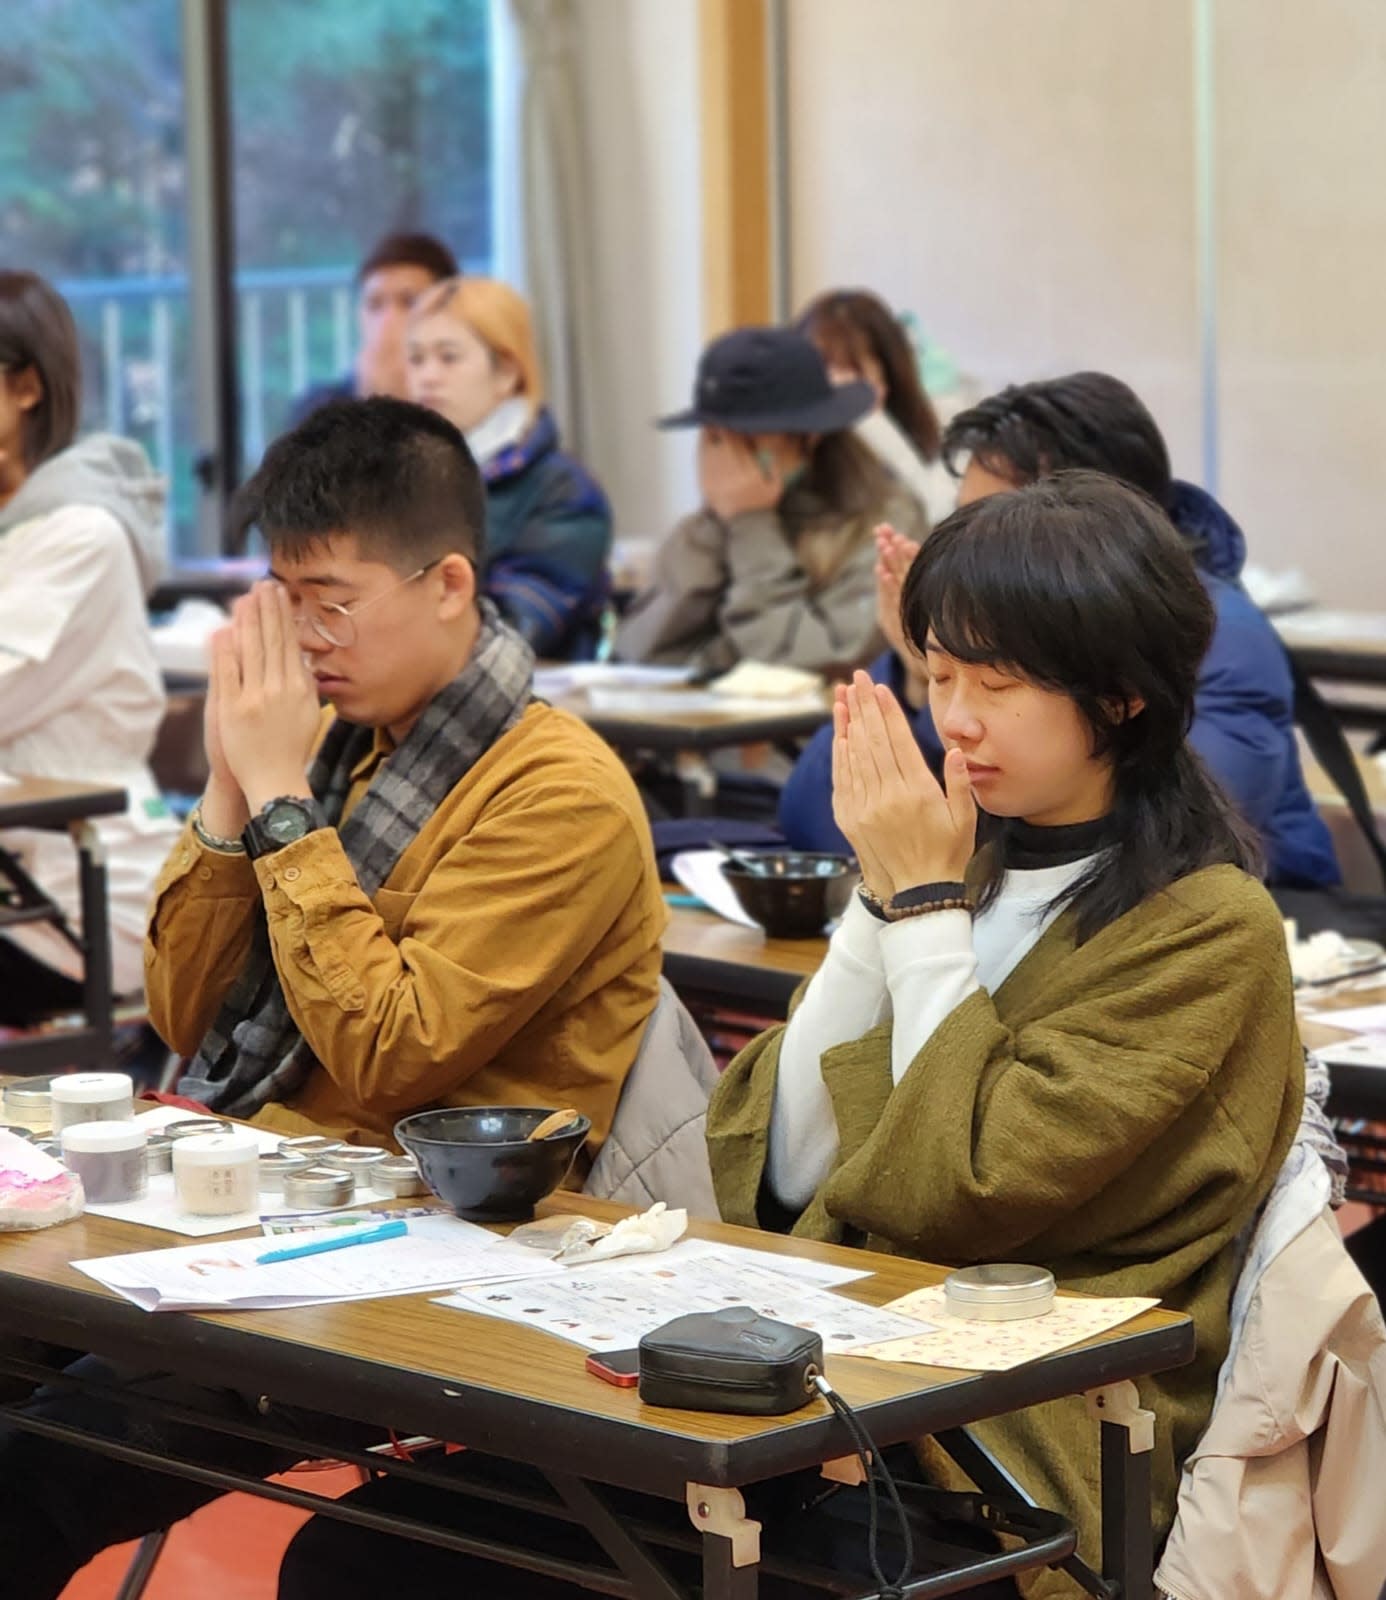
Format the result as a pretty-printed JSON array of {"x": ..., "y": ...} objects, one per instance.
[
  {"x": 410, "y": 250},
  {"x": 397, "y": 478},
  {"x": 1087, "y": 419}
]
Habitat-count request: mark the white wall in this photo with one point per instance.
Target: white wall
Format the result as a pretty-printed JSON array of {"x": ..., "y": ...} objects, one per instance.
[
  {"x": 1301, "y": 179},
  {"x": 640, "y": 79},
  {"x": 1020, "y": 173}
]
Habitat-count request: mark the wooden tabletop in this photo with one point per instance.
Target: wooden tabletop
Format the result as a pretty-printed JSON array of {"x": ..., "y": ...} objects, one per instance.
[
  {"x": 514, "y": 1391},
  {"x": 54, "y": 802},
  {"x": 653, "y": 727}
]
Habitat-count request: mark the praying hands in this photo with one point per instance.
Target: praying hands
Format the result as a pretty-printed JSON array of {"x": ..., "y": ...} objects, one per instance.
[
  {"x": 262, "y": 713},
  {"x": 905, "y": 829}
]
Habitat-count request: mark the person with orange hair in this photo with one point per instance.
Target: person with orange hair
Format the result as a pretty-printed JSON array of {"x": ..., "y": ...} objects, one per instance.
[{"x": 471, "y": 357}]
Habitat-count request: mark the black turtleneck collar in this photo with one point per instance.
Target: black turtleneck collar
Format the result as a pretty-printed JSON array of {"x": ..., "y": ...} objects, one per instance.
[{"x": 1029, "y": 847}]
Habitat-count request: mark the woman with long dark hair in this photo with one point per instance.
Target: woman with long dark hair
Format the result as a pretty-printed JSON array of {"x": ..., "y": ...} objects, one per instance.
[
  {"x": 862, "y": 340},
  {"x": 1057, "y": 1026}
]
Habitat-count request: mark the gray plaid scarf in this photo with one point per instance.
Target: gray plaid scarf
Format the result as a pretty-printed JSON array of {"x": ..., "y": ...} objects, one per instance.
[{"x": 253, "y": 1053}]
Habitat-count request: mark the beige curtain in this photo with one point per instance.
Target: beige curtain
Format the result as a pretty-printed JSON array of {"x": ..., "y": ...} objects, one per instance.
[{"x": 557, "y": 209}]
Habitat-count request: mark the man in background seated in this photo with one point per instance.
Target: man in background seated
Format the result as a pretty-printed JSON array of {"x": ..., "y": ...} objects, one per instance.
[
  {"x": 388, "y": 282},
  {"x": 452, "y": 901},
  {"x": 443, "y": 895},
  {"x": 1244, "y": 703}
]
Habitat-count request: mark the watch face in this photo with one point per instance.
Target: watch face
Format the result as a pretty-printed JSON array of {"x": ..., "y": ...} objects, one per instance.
[{"x": 286, "y": 822}]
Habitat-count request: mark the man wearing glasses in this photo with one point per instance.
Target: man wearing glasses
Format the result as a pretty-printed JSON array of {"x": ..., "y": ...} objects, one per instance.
[{"x": 442, "y": 894}]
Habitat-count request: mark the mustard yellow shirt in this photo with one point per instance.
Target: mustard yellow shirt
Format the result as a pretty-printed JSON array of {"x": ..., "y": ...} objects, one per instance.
[{"x": 512, "y": 957}]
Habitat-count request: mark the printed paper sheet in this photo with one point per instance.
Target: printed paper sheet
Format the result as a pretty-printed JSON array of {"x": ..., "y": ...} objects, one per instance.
[
  {"x": 437, "y": 1253},
  {"x": 612, "y": 1309},
  {"x": 997, "y": 1346}
]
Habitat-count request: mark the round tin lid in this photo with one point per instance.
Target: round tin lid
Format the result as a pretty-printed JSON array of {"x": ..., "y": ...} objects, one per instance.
[
  {"x": 318, "y": 1186},
  {"x": 999, "y": 1283},
  {"x": 311, "y": 1144},
  {"x": 195, "y": 1127},
  {"x": 284, "y": 1161},
  {"x": 27, "y": 1094},
  {"x": 351, "y": 1156}
]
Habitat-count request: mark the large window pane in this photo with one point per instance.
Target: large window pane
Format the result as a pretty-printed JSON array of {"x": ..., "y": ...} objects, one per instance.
[
  {"x": 351, "y": 119},
  {"x": 91, "y": 195}
]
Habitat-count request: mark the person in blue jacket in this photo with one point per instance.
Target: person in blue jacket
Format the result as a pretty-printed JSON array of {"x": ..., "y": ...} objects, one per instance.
[
  {"x": 1243, "y": 716},
  {"x": 471, "y": 356}
]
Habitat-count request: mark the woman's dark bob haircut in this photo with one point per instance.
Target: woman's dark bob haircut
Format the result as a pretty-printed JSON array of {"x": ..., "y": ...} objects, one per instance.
[
  {"x": 1080, "y": 584},
  {"x": 37, "y": 331}
]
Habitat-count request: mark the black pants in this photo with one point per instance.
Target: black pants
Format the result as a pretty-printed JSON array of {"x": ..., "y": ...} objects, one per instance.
[
  {"x": 31, "y": 990},
  {"x": 61, "y": 1505}
]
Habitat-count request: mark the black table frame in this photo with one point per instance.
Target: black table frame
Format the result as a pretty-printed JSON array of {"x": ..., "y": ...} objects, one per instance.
[
  {"x": 1340, "y": 662},
  {"x": 71, "y": 812},
  {"x": 706, "y": 981},
  {"x": 598, "y": 1451}
]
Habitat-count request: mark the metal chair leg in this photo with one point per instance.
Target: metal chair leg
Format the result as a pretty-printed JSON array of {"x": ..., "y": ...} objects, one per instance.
[{"x": 141, "y": 1566}]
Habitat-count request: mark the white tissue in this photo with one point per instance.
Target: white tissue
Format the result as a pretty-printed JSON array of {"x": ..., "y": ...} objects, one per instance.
[{"x": 655, "y": 1229}]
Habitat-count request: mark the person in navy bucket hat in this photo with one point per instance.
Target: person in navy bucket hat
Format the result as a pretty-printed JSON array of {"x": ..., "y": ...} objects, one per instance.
[
  {"x": 770, "y": 380},
  {"x": 777, "y": 564}
]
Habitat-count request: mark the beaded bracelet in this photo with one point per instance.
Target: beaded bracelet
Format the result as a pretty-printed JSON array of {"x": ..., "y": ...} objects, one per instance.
[
  {"x": 214, "y": 841},
  {"x": 918, "y": 901}
]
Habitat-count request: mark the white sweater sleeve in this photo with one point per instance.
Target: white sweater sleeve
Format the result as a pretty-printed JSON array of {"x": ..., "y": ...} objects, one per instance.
[
  {"x": 845, "y": 998},
  {"x": 930, "y": 968}
]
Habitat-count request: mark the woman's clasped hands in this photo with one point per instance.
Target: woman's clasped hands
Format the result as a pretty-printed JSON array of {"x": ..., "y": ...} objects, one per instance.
[{"x": 904, "y": 827}]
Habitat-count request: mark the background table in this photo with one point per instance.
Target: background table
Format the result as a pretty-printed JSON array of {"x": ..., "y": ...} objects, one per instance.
[
  {"x": 55, "y": 805},
  {"x": 1341, "y": 645},
  {"x": 713, "y": 961},
  {"x": 689, "y": 737},
  {"x": 1357, "y": 1091},
  {"x": 510, "y": 1391}
]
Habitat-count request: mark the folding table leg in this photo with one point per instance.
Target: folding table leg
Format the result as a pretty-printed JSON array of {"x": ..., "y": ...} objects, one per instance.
[
  {"x": 698, "y": 779},
  {"x": 731, "y": 1543},
  {"x": 96, "y": 933},
  {"x": 1128, "y": 1438}
]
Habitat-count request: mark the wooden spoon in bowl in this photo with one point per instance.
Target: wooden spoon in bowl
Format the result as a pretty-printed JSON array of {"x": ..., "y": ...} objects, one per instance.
[{"x": 554, "y": 1123}]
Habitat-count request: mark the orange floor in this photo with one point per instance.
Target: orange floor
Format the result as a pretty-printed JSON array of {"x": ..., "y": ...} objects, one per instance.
[{"x": 229, "y": 1551}]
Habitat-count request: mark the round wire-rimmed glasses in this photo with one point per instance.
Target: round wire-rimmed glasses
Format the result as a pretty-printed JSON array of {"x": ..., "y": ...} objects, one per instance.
[{"x": 339, "y": 628}]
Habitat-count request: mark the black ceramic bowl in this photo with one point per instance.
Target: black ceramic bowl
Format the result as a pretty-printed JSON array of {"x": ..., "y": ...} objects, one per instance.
[
  {"x": 480, "y": 1161},
  {"x": 791, "y": 894}
]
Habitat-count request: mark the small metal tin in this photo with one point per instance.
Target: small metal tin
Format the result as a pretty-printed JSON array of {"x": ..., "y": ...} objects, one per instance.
[
  {"x": 276, "y": 1165},
  {"x": 29, "y": 1103},
  {"x": 195, "y": 1127},
  {"x": 399, "y": 1176},
  {"x": 158, "y": 1153},
  {"x": 313, "y": 1145},
  {"x": 50, "y": 1147},
  {"x": 999, "y": 1292},
  {"x": 318, "y": 1186},
  {"x": 357, "y": 1159}
]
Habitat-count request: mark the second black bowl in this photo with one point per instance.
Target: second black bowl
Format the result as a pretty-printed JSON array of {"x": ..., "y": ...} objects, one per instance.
[
  {"x": 481, "y": 1161},
  {"x": 791, "y": 893}
]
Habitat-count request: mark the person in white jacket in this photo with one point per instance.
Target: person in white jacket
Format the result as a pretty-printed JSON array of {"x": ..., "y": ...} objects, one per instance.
[{"x": 81, "y": 545}]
